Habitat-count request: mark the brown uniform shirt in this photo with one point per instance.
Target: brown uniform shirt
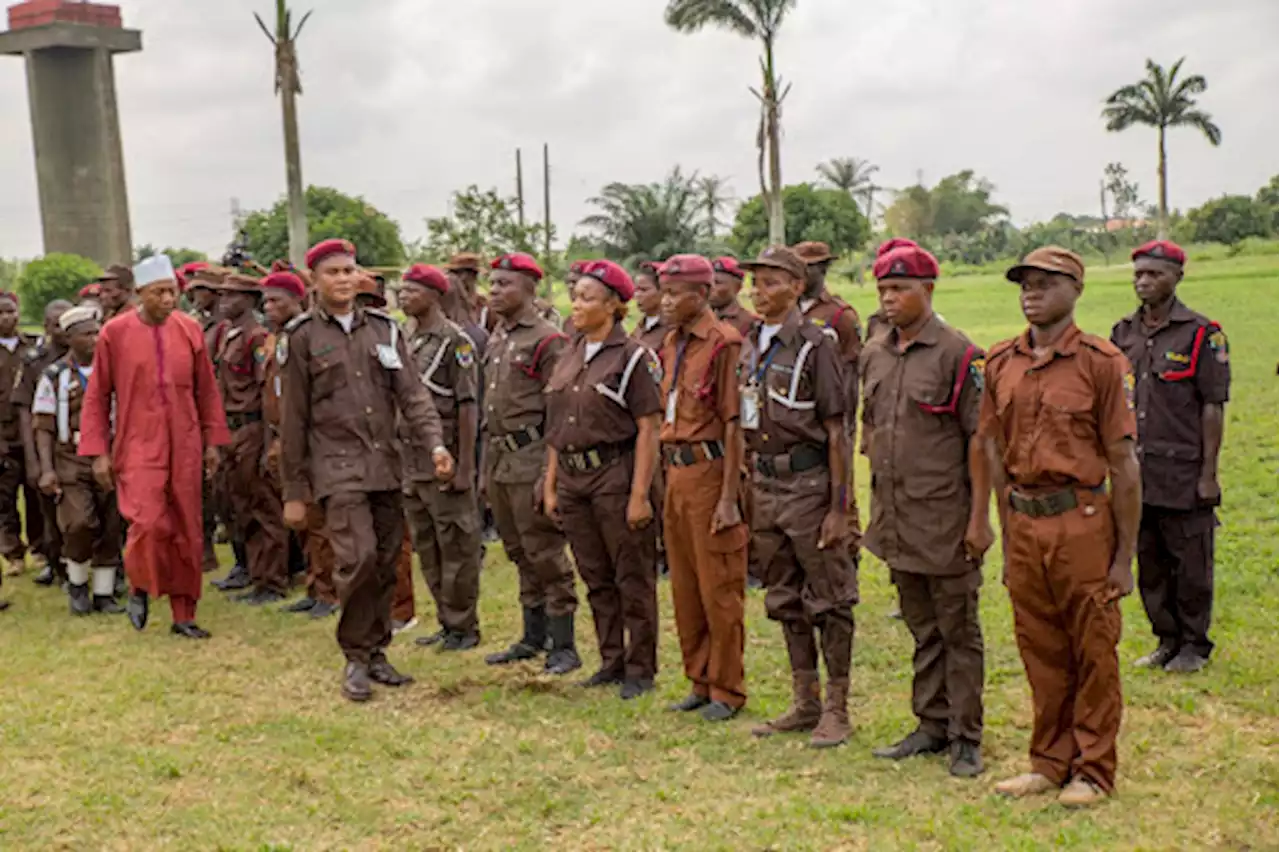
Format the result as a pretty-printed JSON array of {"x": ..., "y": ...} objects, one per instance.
[
  {"x": 242, "y": 365},
  {"x": 737, "y": 316},
  {"x": 341, "y": 394},
  {"x": 597, "y": 401},
  {"x": 490, "y": 321},
  {"x": 919, "y": 410},
  {"x": 797, "y": 384},
  {"x": 1054, "y": 416},
  {"x": 1180, "y": 366},
  {"x": 701, "y": 371},
  {"x": 63, "y": 383},
  {"x": 650, "y": 333},
  {"x": 520, "y": 358},
  {"x": 32, "y": 368},
  {"x": 11, "y": 370},
  {"x": 832, "y": 312},
  {"x": 444, "y": 359}
]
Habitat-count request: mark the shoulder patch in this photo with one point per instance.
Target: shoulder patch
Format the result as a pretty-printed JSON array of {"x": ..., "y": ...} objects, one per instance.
[
  {"x": 282, "y": 349},
  {"x": 1128, "y": 388},
  {"x": 464, "y": 353},
  {"x": 1218, "y": 343},
  {"x": 977, "y": 370}
]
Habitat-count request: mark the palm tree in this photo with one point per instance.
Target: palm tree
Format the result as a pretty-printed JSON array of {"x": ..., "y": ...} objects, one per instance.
[
  {"x": 756, "y": 19},
  {"x": 713, "y": 197},
  {"x": 852, "y": 175},
  {"x": 1161, "y": 100},
  {"x": 646, "y": 221},
  {"x": 289, "y": 87}
]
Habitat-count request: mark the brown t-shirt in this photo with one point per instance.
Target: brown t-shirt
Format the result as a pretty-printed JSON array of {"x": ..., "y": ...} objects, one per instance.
[
  {"x": 1053, "y": 416},
  {"x": 919, "y": 410},
  {"x": 1180, "y": 366},
  {"x": 700, "y": 370},
  {"x": 444, "y": 359},
  {"x": 342, "y": 391},
  {"x": 598, "y": 401},
  {"x": 797, "y": 383},
  {"x": 242, "y": 368}
]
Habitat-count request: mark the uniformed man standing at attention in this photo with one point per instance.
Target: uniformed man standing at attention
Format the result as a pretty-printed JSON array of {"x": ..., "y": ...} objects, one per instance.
[
  {"x": 1057, "y": 423},
  {"x": 523, "y": 353},
  {"x": 1183, "y": 380},
  {"x": 650, "y": 332},
  {"x": 16, "y": 349},
  {"x": 930, "y": 486},
  {"x": 705, "y": 535},
  {"x": 793, "y": 422},
  {"x": 724, "y": 295},
  {"x": 340, "y": 360},
  {"x": 444, "y": 519}
]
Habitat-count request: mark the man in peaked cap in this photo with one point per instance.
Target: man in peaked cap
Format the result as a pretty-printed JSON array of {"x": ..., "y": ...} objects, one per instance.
[
  {"x": 724, "y": 295},
  {"x": 1183, "y": 382},
  {"x": 116, "y": 291},
  {"x": 151, "y": 369}
]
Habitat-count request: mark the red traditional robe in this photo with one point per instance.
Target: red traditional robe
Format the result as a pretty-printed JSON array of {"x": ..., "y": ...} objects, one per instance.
[{"x": 167, "y": 409}]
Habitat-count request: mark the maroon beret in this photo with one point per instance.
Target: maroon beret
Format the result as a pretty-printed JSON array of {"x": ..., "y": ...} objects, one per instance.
[
  {"x": 328, "y": 248},
  {"x": 11, "y": 296},
  {"x": 909, "y": 261},
  {"x": 187, "y": 270},
  {"x": 650, "y": 267},
  {"x": 897, "y": 242},
  {"x": 693, "y": 268},
  {"x": 91, "y": 291},
  {"x": 612, "y": 276},
  {"x": 1161, "y": 250},
  {"x": 519, "y": 262},
  {"x": 579, "y": 267},
  {"x": 287, "y": 281},
  {"x": 428, "y": 276},
  {"x": 729, "y": 266}
]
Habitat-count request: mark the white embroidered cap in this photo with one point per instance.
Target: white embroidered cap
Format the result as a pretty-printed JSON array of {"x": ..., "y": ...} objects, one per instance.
[
  {"x": 158, "y": 267},
  {"x": 81, "y": 313}
]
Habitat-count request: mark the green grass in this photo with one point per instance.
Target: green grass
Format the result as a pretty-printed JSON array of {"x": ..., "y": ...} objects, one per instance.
[{"x": 112, "y": 740}]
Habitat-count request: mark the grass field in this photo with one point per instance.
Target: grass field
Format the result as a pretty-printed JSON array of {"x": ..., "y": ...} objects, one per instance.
[{"x": 111, "y": 740}]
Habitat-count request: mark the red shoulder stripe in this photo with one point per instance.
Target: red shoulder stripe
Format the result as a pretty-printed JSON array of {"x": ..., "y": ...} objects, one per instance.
[{"x": 954, "y": 402}]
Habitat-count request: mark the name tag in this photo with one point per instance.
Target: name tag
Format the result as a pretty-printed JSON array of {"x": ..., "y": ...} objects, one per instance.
[
  {"x": 749, "y": 413},
  {"x": 388, "y": 357},
  {"x": 671, "y": 406}
]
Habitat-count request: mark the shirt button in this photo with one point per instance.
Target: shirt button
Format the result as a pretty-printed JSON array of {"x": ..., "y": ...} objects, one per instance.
[
  {"x": 368, "y": 410},
  {"x": 575, "y": 388},
  {"x": 572, "y": 419},
  {"x": 376, "y": 445},
  {"x": 493, "y": 385},
  {"x": 1150, "y": 343},
  {"x": 357, "y": 374},
  {"x": 1142, "y": 415}
]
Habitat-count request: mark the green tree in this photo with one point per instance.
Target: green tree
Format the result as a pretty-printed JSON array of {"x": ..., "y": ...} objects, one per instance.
[
  {"x": 54, "y": 276},
  {"x": 713, "y": 197},
  {"x": 330, "y": 213},
  {"x": 1269, "y": 197},
  {"x": 483, "y": 222},
  {"x": 1124, "y": 192},
  {"x": 10, "y": 273},
  {"x": 179, "y": 256},
  {"x": 1162, "y": 101},
  {"x": 637, "y": 222},
  {"x": 761, "y": 20},
  {"x": 829, "y": 215},
  {"x": 959, "y": 204},
  {"x": 1230, "y": 219},
  {"x": 854, "y": 176},
  {"x": 289, "y": 87}
]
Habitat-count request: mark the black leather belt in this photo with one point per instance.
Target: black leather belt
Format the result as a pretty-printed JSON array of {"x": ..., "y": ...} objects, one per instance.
[
  {"x": 1048, "y": 505},
  {"x": 239, "y": 419},
  {"x": 801, "y": 458},
  {"x": 683, "y": 455},
  {"x": 594, "y": 458},
  {"x": 518, "y": 440}
]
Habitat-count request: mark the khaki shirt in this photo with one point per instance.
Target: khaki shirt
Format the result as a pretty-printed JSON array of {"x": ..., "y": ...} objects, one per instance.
[
  {"x": 1180, "y": 366},
  {"x": 701, "y": 371},
  {"x": 342, "y": 391},
  {"x": 520, "y": 358},
  {"x": 1053, "y": 417},
  {"x": 444, "y": 359},
  {"x": 919, "y": 411}
]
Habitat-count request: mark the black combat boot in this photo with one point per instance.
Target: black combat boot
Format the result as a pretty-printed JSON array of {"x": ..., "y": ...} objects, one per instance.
[
  {"x": 530, "y": 644},
  {"x": 563, "y": 657}
]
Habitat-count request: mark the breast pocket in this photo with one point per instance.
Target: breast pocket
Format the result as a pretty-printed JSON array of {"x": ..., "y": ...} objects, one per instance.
[
  {"x": 931, "y": 394},
  {"x": 327, "y": 375},
  {"x": 1068, "y": 415}
]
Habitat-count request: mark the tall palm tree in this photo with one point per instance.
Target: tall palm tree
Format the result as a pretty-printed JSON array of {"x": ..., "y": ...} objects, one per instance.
[
  {"x": 1161, "y": 100},
  {"x": 762, "y": 20},
  {"x": 289, "y": 87},
  {"x": 638, "y": 222},
  {"x": 713, "y": 197},
  {"x": 854, "y": 176}
]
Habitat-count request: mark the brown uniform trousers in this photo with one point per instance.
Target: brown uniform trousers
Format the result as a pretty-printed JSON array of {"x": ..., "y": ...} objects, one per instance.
[
  {"x": 403, "y": 603},
  {"x": 351, "y": 464},
  {"x": 42, "y": 510},
  {"x": 12, "y": 454},
  {"x": 255, "y": 500},
  {"x": 795, "y": 386},
  {"x": 833, "y": 313},
  {"x": 518, "y": 361},
  {"x": 1181, "y": 366},
  {"x": 649, "y": 333},
  {"x": 1051, "y": 418},
  {"x": 445, "y": 524},
  {"x": 919, "y": 414},
  {"x": 708, "y": 572},
  {"x": 594, "y": 405}
]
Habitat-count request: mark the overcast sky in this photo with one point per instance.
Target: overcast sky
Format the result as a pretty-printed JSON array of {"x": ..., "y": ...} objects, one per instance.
[{"x": 407, "y": 100}]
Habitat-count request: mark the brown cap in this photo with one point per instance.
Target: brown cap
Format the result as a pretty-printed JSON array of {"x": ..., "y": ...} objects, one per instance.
[
  {"x": 367, "y": 287},
  {"x": 238, "y": 282},
  {"x": 465, "y": 261},
  {"x": 778, "y": 257},
  {"x": 814, "y": 252},
  {"x": 116, "y": 272},
  {"x": 1053, "y": 259},
  {"x": 209, "y": 278}
]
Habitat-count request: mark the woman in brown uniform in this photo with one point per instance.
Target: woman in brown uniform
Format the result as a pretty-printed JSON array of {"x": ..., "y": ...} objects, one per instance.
[{"x": 601, "y": 451}]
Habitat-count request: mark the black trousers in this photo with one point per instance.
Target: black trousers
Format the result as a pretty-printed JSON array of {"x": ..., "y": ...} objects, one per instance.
[{"x": 1175, "y": 574}]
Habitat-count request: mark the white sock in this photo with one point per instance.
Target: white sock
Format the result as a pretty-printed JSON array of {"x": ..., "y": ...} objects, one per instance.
[
  {"x": 77, "y": 573},
  {"x": 104, "y": 581}
]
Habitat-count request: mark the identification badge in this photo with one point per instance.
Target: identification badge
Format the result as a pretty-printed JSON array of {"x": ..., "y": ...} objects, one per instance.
[
  {"x": 671, "y": 406},
  {"x": 388, "y": 357},
  {"x": 750, "y": 413}
]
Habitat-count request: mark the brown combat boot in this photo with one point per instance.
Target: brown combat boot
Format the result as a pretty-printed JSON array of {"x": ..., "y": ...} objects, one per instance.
[
  {"x": 833, "y": 729},
  {"x": 805, "y": 708}
]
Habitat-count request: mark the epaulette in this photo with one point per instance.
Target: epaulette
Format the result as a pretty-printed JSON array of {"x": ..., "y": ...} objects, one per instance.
[
  {"x": 293, "y": 324},
  {"x": 1001, "y": 348},
  {"x": 1101, "y": 344},
  {"x": 380, "y": 314}
]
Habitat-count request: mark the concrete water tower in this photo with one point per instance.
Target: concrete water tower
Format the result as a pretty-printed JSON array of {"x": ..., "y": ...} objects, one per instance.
[{"x": 68, "y": 48}]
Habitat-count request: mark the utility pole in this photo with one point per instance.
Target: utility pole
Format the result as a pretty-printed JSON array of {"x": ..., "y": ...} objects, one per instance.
[
  {"x": 519, "y": 191},
  {"x": 546, "y": 210},
  {"x": 1105, "y": 237}
]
